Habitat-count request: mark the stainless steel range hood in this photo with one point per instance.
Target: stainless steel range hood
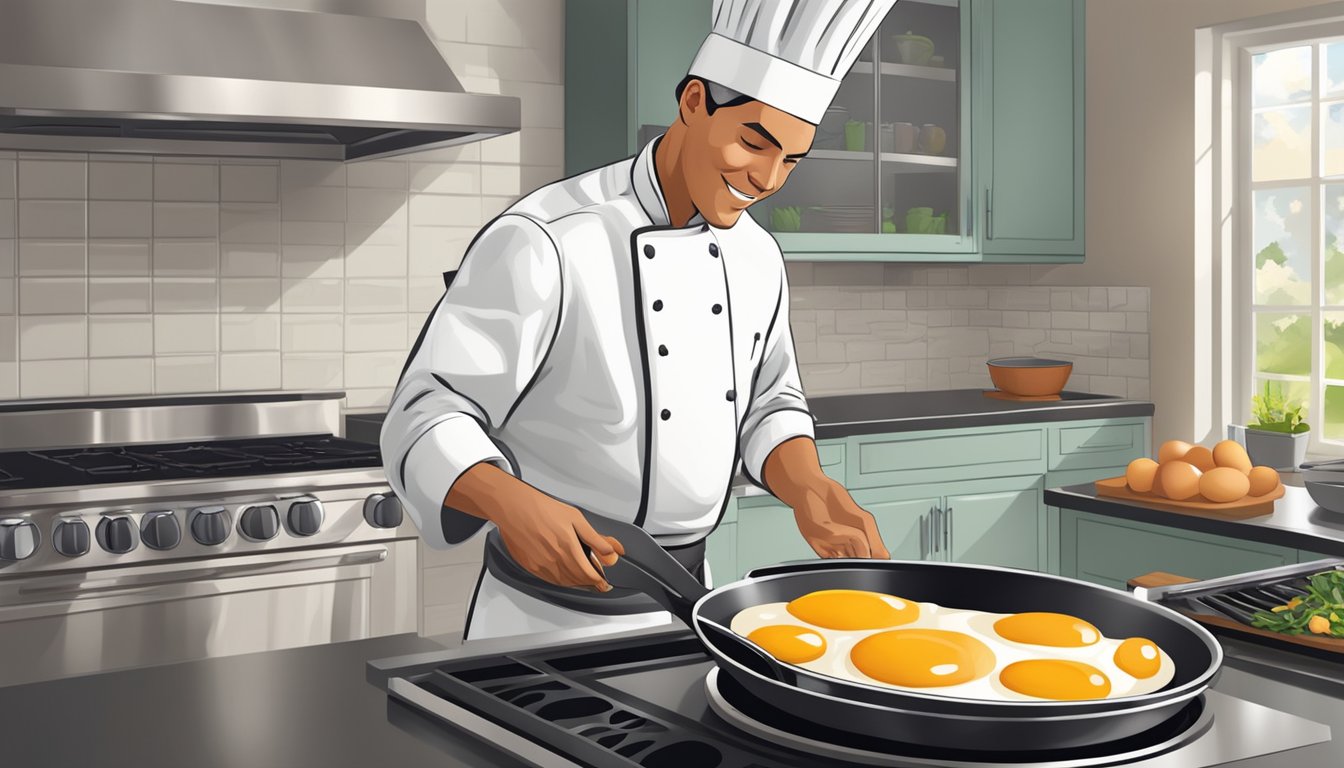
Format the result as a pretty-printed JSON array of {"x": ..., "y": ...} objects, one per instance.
[{"x": 186, "y": 78}]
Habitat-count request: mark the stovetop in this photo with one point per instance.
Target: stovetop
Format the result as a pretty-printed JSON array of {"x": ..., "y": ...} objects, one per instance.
[
  {"x": 652, "y": 701},
  {"x": 100, "y": 465}
]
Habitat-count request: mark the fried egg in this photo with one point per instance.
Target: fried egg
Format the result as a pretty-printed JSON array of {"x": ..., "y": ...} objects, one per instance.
[{"x": 891, "y": 641}]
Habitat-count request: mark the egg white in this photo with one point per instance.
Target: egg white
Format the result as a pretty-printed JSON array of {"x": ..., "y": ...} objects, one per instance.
[{"x": 835, "y": 660}]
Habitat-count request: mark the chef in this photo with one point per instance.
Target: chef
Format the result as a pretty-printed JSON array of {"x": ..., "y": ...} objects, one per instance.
[{"x": 619, "y": 342}]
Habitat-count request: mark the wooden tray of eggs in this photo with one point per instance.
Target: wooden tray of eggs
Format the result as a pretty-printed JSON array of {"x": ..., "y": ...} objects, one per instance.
[{"x": 1193, "y": 479}]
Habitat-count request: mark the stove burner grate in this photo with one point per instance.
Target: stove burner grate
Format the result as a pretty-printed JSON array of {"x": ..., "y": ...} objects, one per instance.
[
  {"x": 731, "y": 702},
  {"x": 9, "y": 477},
  {"x": 98, "y": 461},
  {"x": 197, "y": 458}
]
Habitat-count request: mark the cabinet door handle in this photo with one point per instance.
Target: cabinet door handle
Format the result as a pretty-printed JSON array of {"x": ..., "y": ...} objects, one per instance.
[
  {"x": 937, "y": 526},
  {"x": 924, "y": 534},
  {"x": 947, "y": 529},
  {"x": 989, "y": 213}
]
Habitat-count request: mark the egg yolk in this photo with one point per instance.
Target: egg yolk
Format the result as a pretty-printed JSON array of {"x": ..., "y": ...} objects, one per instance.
[
  {"x": 1138, "y": 657},
  {"x": 1055, "y": 679},
  {"x": 1059, "y": 630},
  {"x": 922, "y": 658},
  {"x": 789, "y": 643},
  {"x": 850, "y": 609}
]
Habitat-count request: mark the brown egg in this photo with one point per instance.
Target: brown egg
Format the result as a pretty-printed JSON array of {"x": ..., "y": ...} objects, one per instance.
[
  {"x": 1229, "y": 453},
  {"x": 1223, "y": 484},
  {"x": 1179, "y": 480},
  {"x": 1139, "y": 476},
  {"x": 1172, "y": 450},
  {"x": 1201, "y": 457},
  {"x": 1263, "y": 480}
]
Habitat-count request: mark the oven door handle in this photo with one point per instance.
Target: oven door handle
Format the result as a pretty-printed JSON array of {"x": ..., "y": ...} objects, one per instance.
[{"x": 86, "y": 583}]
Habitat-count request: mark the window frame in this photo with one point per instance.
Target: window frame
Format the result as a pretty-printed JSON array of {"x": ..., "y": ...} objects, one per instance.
[{"x": 1244, "y": 373}]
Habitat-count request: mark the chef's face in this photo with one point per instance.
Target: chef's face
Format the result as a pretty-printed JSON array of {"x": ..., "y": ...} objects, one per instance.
[{"x": 738, "y": 155}]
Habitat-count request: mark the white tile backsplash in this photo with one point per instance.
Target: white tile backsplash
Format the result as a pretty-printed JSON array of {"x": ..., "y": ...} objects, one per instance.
[
  {"x": 51, "y": 219},
  {"x": 249, "y": 294},
  {"x": 121, "y": 376},
  {"x": 249, "y": 370},
  {"x": 121, "y": 219},
  {"x": 934, "y": 327},
  {"x": 52, "y": 295},
  {"x": 109, "y": 295},
  {"x": 119, "y": 258},
  {"x": 186, "y": 220},
  {"x": 7, "y": 170},
  {"x": 121, "y": 181},
  {"x": 249, "y": 183},
  {"x": 186, "y": 181},
  {"x": 186, "y": 334},
  {"x": 187, "y": 373},
  {"x": 55, "y": 337},
  {"x": 50, "y": 258},
  {"x": 121, "y": 336},
  {"x": 52, "y": 179},
  {"x": 54, "y": 378}
]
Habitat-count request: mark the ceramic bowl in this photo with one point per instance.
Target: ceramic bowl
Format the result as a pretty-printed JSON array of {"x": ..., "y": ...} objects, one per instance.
[{"x": 1029, "y": 376}]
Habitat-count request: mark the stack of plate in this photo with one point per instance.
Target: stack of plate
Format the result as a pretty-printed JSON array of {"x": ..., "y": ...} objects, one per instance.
[{"x": 841, "y": 218}]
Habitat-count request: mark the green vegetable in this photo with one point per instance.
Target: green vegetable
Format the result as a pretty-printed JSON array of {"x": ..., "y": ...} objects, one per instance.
[
  {"x": 1275, "y": 414},
  {"x": 1324, "y": 598}
]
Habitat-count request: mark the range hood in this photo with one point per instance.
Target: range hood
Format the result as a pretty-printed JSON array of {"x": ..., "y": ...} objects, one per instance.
[{"x": 186, "y": 78}]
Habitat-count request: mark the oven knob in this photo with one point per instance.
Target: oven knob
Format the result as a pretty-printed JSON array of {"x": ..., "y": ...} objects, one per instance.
[
  {"x": 305, "y": 517},
  {"x": 383, "y": 510},
  {"x": 116, "y": 534},
  {"x": 18, "y": 538},
  {"x": 159, "y": 529},
  {"x": 210, "y": 525},
  {"x": 71, "y": 537},
  {"x": 259, "y": 523}
]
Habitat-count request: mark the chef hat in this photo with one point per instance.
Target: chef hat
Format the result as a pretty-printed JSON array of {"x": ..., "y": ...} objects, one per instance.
[{"x": 790, "y": 54}]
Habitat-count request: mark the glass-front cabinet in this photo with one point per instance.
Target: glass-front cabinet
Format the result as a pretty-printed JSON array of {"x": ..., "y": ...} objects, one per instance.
[
  {"x": 891, "y": 154},
  {"x": 958, "y": 136}
]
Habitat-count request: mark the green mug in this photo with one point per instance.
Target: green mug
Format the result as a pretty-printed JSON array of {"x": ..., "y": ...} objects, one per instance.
[
  {"x": 855, "y": 136},
  {"x": 918, "y": 220}
]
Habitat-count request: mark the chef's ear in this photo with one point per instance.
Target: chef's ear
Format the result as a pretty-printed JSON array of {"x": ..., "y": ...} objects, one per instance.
[{"x": 693, "y": 100}]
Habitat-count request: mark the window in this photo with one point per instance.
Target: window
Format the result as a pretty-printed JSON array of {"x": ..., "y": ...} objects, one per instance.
[{"x": 1292, "y": 172}]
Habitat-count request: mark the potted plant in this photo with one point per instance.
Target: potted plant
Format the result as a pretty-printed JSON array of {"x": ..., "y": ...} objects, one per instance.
[{"x": 1278, "y": 436}]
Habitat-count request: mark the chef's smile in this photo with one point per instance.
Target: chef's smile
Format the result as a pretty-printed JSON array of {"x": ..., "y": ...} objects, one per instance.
[{"x": 739, "y": 194}]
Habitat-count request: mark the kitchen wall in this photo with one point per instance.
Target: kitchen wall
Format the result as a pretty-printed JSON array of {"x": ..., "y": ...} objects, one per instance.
[
  {"x": 1141, "y": 213},
  {"x": 151, "y": 275},
  {"x": 896, "y": 327}
]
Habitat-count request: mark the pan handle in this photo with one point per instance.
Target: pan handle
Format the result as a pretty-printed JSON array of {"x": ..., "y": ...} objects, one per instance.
[{"x": 648, "y": 568}]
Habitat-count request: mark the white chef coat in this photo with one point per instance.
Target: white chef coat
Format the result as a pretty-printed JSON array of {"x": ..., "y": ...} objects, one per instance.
[{"x": 606, "y": 357}]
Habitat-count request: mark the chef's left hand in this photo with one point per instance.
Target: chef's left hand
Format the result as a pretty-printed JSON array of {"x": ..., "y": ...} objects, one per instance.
[{"x": 836, "y": 526}]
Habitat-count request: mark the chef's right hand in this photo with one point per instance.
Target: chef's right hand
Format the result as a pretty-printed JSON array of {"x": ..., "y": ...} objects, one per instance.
[
  {"x": 544, "y": 536},
  {"x": 542, "y": 533}
]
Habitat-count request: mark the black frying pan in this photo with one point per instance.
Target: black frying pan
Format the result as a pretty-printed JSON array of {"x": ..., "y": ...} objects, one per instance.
[{"x": 918, "y": 718}]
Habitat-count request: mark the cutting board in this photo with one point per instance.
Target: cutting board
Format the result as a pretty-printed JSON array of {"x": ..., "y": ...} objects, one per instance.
[
  {"x": 1251, "y": 506},
  {"x": 1161, "y": 579}
]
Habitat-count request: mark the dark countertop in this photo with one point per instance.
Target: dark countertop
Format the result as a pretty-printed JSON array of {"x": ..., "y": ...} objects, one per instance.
[
  {"x": 878, "y": 412},
  {"x": 1297, "y": 522},
  {"x": 322, "y": 707},
  {"x": 294, "y": 708}
]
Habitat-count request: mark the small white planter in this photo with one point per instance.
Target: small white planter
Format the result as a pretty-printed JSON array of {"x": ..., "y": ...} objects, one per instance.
[{"x": 1279, "y": 450}]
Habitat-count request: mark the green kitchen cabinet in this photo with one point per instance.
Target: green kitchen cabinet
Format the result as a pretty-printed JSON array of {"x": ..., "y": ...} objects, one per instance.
[
  {"x": 1003, "y": 525},
  {"x": 997, "y": 117},
  {"x": 721, "y": 553},
  {"x": 1029, "y": 128},
  {"x": 1110, "y": 551},
  {"x": 1057, "y": 479},
  {"x": 623, "y": 60},
  {"x": 945, "y": 456}
]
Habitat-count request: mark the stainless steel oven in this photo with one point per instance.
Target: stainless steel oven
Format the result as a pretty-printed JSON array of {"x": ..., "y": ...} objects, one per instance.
[{"x": 149, "y": 531}]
